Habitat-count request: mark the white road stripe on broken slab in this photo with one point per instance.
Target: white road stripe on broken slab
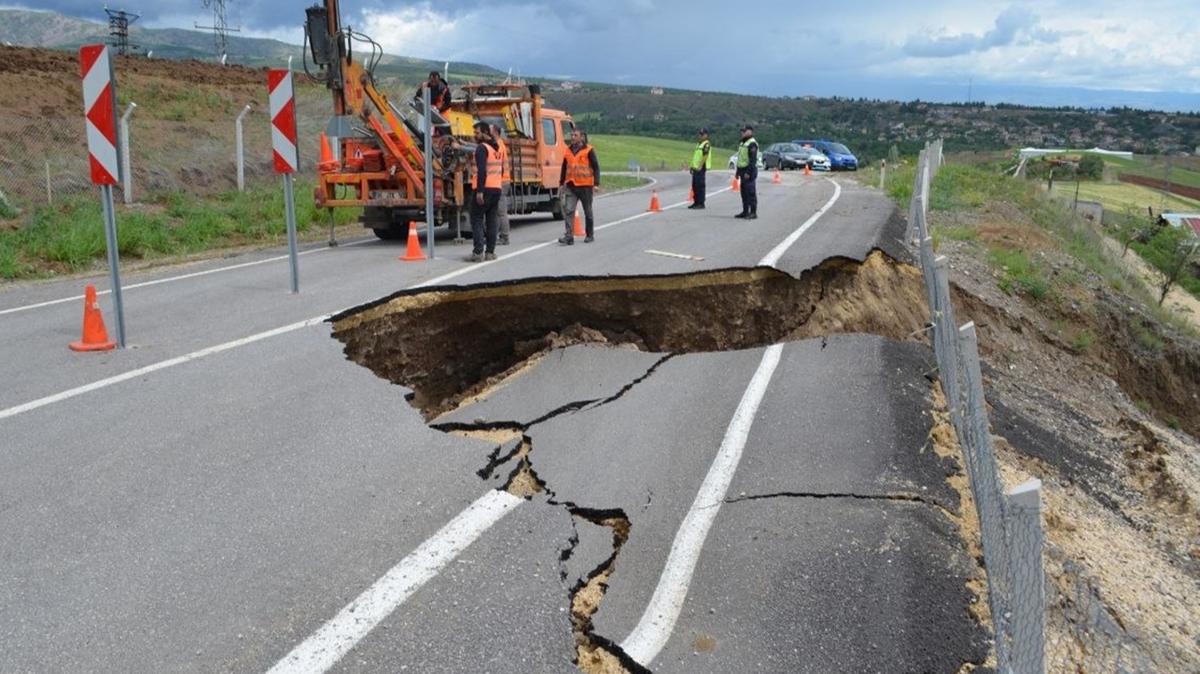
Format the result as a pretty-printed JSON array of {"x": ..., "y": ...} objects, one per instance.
[
  {"x": 335, "y": 638},
  {"x": 658, "y": 620}
]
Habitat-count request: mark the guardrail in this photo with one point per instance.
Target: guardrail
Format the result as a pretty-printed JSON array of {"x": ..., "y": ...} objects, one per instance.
[{"x": 1010, "y": 522}]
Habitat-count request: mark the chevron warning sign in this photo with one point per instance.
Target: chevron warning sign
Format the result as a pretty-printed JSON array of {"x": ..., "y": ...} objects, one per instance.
[
  {"x": 100, "y": 111},
  {"x": 283, "y": 121}
]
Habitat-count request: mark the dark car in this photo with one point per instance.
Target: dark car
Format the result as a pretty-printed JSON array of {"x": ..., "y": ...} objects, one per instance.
[
  {"x": 785, "y": 156},
  {"x": 840, "y": 156}
]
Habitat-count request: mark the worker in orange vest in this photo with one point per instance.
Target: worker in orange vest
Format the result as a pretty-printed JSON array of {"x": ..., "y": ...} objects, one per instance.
[
  {"x": 485, "y": 183},
  {"x": 505, "y": 184},
  {"x": 579, "y": 178}
]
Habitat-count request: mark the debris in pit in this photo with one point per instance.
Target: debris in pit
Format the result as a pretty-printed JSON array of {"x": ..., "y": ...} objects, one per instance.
[{"x": 448, "y": 343}]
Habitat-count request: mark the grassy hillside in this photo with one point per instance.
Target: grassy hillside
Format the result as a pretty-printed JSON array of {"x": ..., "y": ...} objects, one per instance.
[{"x": 653, "y": 154}]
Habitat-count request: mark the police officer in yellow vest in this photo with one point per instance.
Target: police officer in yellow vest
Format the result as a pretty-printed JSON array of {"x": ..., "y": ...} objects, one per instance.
[
  {"x": 485, "y": 183},
  {"x": 701, "y": 162},
  {"x": 747, "y": 172}
]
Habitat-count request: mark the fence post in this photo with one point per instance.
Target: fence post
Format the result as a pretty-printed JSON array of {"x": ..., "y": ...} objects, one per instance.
[
  {"x": 984, "y": 478},
  {"x": 1023, "y": 521},
  {"x": 127, "y": 183},
  {"x": 241, "y": 154},
  {"x": 882, "y": 173},
  {"x": 945, "y": 349},
  {"x": 49, "y": 190}
]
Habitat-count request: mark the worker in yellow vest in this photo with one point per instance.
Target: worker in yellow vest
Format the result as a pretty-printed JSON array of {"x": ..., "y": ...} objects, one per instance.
[
  {"x": 747, "y": 172},
  {"x": 505, "y": 185},
  {"x": 579, "y": 177},
  {"x": 485, "y": 183},
  {"x": 701, "y": 163}
]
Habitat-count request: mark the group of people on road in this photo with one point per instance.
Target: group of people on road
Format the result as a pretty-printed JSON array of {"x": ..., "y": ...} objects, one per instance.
[
  {"x": 579, "y": 177},
  {"x": 746, "y": 167}
]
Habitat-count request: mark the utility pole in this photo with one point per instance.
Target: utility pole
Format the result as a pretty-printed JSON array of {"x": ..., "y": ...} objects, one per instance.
[
  {"x": 118, "y": 29},
  {"x": 1166, "y": 186}
]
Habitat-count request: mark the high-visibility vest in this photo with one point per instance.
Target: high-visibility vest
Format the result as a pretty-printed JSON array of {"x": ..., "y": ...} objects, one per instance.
[
  {"x": 744, "y": 153},
  {"x": 579, "y": 168},
  {"x": 495, "y": 170},
  {"x": 506, "y": 174},
  {"x": 702, "y": 157}
]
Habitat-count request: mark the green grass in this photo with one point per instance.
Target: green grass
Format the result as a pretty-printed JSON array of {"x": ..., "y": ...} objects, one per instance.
[
  {"x": 613, "y": 183},
  {"x": 1020, "y": 273},
  {"x": 654, "y": 154},
  {"x": 1124, "y": 197},
  {"x": 1082, "y": 341},
  {"x": 69, "y": 236}
]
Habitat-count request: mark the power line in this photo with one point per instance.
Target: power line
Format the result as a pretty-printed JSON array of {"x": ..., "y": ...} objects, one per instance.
[
  {"x": 118, "y": 29},
  {"x": 220, "y": 26}
]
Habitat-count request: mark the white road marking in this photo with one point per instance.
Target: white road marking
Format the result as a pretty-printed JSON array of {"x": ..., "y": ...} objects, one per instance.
[
  {"x": 335, "y": 638},
  {"x": 658, "y": 620},
  {"x": 680, "y": 256},
  {"x": 778, "y": 251},
  {"x": 208, "y": 351},
  {"x": 181, "y": 277}
]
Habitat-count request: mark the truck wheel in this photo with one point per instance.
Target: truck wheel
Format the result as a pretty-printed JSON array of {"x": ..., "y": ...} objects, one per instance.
[{"x": 388, "y": 233}]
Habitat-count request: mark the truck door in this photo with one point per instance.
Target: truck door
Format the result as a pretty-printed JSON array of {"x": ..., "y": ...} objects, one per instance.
[{"x": 552, "y": 144}]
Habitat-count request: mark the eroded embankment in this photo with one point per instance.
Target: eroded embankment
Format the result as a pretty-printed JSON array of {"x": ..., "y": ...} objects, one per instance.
[
  {"x": 445, "y": 343},
  {"x": 449, "y": 345}
]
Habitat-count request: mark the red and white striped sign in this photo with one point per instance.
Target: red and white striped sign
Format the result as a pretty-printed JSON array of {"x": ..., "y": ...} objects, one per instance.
[
  {"x": 283, "y": 121},
  {"x": 100, "y": 111}
]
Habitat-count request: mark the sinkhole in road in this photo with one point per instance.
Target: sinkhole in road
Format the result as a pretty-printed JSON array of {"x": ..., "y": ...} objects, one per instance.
[{"x": 451, "y": 345}]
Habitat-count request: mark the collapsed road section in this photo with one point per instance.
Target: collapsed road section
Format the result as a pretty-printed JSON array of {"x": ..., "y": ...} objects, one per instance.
[{"x": 462, "y": 349}]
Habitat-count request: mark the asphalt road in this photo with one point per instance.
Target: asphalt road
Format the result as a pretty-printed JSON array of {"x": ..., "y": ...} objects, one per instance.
[{"x": 231, "y": 490}]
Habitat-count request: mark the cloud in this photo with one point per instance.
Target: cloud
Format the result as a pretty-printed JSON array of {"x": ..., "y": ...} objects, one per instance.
[{"x": 1009, "y": 24}]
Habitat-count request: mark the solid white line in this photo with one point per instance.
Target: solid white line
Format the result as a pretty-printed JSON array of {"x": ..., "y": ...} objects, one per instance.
[
  {"x": 335, "y": 638},
  {"x": 181, "y": 277},
  {"x": 679, "y": 256},
  {"x": 657, "y": 622},
  {"x": 179, "y": 360},
  {"x": 154, "y": 367},
  {"x": 778, "y": 251}
]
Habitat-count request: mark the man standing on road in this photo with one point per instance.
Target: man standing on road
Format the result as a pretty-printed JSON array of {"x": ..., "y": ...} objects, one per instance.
[
  {"x": 579, "y": 178},
  {"x": 505, "y": 185},
  {"x": 486, "y": 185},
  {"x": 701, "y": 162},
  {"x": 747, "y": 172}
]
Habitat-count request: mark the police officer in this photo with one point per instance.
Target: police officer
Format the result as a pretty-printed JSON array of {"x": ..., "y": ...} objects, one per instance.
[
  {"x": 701, "y": 162},
  {"x": 579, "y": 178},
  {"x": 747, "y": 173},
  {"x": 486, "y": 184}
]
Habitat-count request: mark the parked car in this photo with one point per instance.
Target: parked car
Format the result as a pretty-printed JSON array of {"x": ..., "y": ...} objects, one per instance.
[
  {"x": 784, "y": 156},
  {"x": 733, "y": 161},
  {"x": 840, "y": 156}
]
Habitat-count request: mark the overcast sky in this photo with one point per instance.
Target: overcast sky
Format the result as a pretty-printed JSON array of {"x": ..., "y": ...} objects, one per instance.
[{"x": 922, "y": 48}]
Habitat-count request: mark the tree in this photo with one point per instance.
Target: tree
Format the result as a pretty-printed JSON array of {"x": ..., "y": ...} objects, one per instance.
[
  {"x": 1091, "y": 166},
  {"x": 1129, "y": 228},
  {"x": 1170, "y": 251}
]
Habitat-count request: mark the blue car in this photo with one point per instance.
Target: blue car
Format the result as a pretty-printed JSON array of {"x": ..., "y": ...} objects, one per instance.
[{"x": 840, "y": 156}]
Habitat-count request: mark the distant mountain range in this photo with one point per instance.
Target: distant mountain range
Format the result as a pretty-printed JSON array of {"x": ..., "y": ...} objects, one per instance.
[{"x": 28, "y": 28}]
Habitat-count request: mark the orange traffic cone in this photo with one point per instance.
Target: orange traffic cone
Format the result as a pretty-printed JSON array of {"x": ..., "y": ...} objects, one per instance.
[
  {"x": 734, "y": 184},
  {"x": 776, "y": 179},
  {"x": 578, "y": 226},
  {"x": 327, "y": 163},
  {"x": 95, "y": 337},
  {"x": 654, "y": 207},
  {"x": 414, "y": 252},
  {"x": 692, "y": 194},
  {"x": 807, "y": 170}
]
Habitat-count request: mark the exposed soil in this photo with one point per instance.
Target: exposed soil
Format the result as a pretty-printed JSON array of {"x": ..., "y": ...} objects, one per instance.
[
  {"x": 445, "y": 343},
  {"x": 1092, "y": 418}
]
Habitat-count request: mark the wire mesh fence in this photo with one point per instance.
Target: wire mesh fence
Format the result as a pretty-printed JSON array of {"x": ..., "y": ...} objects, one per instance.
[
  {"x": 43, "y": 159},
  {"x": 1010, "y": 523}
]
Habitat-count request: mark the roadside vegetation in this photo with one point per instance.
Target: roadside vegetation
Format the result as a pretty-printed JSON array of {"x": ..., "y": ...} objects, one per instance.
[
  {"x": 652, "y": 154},
  {"x": 69, "y": 235}
]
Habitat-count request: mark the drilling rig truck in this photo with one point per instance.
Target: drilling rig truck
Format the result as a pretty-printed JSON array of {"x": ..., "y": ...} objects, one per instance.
[{"x": 378, "y": 149}]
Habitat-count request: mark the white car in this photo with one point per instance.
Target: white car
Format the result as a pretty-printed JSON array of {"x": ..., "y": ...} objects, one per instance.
[{"x": 733, "y": 161}]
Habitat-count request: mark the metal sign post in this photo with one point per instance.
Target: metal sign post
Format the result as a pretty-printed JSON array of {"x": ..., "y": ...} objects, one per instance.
[
  {"x": 427, "y": 127},
  {"x": 100, "y": 112},
  {"x": 286, "y": 154}
]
